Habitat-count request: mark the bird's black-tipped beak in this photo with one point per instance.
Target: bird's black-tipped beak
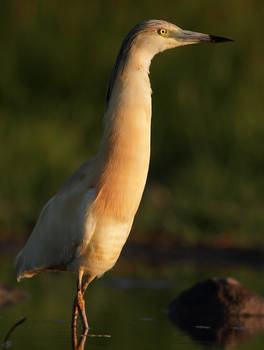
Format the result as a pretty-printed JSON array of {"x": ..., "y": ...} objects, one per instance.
[
  {"x": 218, "y": 39},
  {"x": 189, "y": 37}
]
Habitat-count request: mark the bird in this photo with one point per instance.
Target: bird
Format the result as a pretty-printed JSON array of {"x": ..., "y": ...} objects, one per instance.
[{"x": 84, "y": 226}]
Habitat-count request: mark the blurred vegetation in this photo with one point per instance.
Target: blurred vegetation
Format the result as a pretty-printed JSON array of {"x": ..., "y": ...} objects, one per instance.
[{"x": 206, "y": 176}]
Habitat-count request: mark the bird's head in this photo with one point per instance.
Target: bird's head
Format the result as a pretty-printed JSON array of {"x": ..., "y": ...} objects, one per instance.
[
  {"x": 157, "y": 36},
  {"x": 148, "y": 38}
]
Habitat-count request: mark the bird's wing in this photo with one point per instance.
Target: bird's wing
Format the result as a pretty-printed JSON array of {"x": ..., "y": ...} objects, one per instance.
[{"x": 63, "y": 226}]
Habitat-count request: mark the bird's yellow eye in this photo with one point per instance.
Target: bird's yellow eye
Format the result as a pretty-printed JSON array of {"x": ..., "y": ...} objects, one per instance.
[{"x": 163, "y": 32}]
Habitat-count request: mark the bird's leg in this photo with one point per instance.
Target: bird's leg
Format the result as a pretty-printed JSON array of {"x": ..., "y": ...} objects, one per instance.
[
  {"x": 81, "y": 344},
  {"x": 76, "y": 301},
  {"x": 88, "y": 280},
  {"x": 75, "y": 344},
  {"x": 74, "y": 324},
  {"x": 78, "y": 306},
  {"x": 74, "y": 314},
  {"x": 81, "y": 302},
  {"x": 74, "y": 337},
  {"x": 81, "y": 307}
]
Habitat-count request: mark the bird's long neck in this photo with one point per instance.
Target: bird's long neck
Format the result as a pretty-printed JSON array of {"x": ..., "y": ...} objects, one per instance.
[{"x": 125, "y": 149}]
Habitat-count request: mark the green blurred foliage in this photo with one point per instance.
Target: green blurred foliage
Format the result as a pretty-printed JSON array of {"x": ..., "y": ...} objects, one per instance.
[{"x": 207, "y": 161}]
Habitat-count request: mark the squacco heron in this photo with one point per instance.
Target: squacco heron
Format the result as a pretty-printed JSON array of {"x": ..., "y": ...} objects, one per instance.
[{"x": 84, "y": 226}]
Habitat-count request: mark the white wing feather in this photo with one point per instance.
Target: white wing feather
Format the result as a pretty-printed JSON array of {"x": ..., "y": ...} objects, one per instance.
[{"x": 63, "y": 227}]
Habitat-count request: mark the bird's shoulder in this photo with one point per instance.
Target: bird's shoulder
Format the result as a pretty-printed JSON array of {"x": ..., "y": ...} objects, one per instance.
[
  {"x": 81, "y": 179},
  {"x": 71, "y": 201}
]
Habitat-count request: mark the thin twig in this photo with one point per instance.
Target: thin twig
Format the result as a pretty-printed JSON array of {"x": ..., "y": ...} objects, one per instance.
[{"x": 18, "y": 323}]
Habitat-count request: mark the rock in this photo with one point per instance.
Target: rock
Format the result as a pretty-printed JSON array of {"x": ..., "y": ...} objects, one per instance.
[
  {"x": 9, "y": 295},
  {"x": 221, "y": 296},
  {"x": 218, "y": 311}
]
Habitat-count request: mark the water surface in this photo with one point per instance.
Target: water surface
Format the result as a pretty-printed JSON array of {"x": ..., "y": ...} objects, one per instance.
[{"x": 126, "y": 309}]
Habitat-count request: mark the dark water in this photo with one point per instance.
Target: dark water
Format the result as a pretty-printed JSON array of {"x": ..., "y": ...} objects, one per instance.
[{"x": 126, "y": 309}]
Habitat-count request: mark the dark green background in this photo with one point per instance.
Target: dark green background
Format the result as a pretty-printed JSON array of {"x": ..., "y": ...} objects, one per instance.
[{"x": 206, "y": 177}]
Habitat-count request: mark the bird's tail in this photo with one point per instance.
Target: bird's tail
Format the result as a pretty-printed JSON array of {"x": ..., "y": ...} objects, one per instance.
[
  {"x": 18, "y": 264},
  {"x": 22, "y": 268}
]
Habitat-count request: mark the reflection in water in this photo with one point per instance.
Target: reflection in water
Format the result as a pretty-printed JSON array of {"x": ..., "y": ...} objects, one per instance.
[
  {"x": 78, "y": 345},
  {"x": 212, "y": 329},
  {"x": 109, "y": 307},
  {"x": 218, "y": 311}
]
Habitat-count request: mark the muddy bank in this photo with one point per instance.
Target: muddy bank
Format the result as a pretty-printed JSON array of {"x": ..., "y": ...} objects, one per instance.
[
  {"x": 197, "y": 254},
  {"x": 170, "y": 250},
  {"x": 9, "y": 295}
]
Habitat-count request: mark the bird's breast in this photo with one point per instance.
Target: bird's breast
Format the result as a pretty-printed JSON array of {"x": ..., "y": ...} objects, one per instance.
[
  {"x": 105, "y": 246},
  {"x": 124, "y": 166}
]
